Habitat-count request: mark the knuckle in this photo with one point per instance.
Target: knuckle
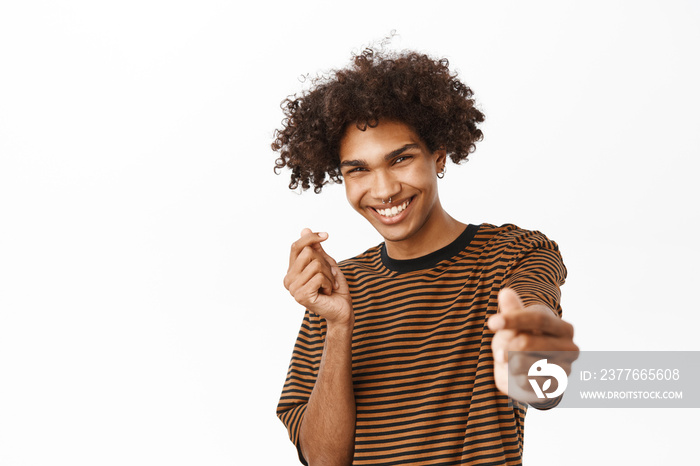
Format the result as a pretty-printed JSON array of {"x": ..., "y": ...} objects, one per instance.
[
  {"x": 293, "y": 286},
  {"x": 303, "y": 296},
  {"x": 306, "y": 253},
  {"x": 521, "y": 342},
  {"x": 322, "y": 279},
  {"x": 496, "y": 344},
  {"x": 539, "y": 320},
  {"x": 499, "y": 339},
  {"x": 322, "y": 265},
  {"x": 569, "y": 329},
  {"x": 509, "y": 321},
  {"x": 316, "y": 281},
  {"x": 314, "y": 266}
]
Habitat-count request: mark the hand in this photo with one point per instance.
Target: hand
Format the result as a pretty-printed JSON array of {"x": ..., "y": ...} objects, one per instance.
[
  {"x": 532, "y": 328},
  {"x": 315, "y": 280}
]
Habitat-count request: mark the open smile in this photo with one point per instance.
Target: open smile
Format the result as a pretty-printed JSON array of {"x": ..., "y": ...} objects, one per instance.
[{"x": 392, "y": 214}]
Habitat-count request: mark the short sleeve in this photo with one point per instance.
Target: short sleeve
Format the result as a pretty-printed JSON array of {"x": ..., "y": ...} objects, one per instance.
[
  {"x": 538, "y": 272},
  {"x": 301, "y": 376}
]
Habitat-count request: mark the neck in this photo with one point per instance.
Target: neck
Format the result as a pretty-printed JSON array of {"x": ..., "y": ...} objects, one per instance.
[{"x": 439, "y": 230}]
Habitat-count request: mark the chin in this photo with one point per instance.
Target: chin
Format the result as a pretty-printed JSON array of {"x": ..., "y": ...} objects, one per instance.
[{"x": 395, "y": 233}]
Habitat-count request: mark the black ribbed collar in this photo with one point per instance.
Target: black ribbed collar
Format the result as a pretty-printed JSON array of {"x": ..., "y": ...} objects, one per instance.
[{"x": 430, "y": 260}]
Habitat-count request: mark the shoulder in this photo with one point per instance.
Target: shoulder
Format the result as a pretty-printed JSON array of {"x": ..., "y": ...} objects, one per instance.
[
  {"x": 367, "y": 262},
  {"x": 509, "y": 237}
]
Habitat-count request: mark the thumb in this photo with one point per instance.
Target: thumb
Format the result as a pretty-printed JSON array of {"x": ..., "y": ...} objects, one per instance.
[
  {"x": 509, "y": 301},
  {"x": 315, "y": 245}
]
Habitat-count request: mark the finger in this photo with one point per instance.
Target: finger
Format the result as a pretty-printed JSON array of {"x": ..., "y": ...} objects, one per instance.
[
  {"x": 308, "y": 264},
  {"x": 532, "y": 321},
  {"x": 302, "y": 260},
  {"x": 501, "y": 343},
  {"x": 335, "y": 268},
  {"x": 520, "y": 363},
  {"x": 316, "y": 245},
  {"x": 509, "y": 301},
  {"x": 308, "y": 293},
  {"x": 308, "y": 238},
  {"x": 326, "y": 277},
  {"x": 547, "y": 346},
  {"x": 340, "y": 282},
  {"x": 325, "y": 285}
]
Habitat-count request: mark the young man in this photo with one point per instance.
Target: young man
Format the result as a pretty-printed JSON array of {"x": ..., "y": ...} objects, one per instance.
[{"x": 401, "y": 357}]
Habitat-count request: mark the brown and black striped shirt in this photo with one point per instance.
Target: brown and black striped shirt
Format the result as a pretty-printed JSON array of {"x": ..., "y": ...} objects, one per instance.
[{"x": 421, "y": 351}]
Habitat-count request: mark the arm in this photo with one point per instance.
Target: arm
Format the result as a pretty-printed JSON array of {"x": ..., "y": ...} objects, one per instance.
[
  {"x": 529, "y": 318},
  {"x": 327, "y": 435},
  {"x": 327, "y": 428},
  {"x": 534, "y": 328}
]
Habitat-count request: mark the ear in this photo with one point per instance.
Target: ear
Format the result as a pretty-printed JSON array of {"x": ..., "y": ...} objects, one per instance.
[{"x": 440, "y": 160}]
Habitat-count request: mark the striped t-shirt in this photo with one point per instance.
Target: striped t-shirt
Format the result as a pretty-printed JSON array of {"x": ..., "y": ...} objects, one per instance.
[{"x": 422, "y": 364}]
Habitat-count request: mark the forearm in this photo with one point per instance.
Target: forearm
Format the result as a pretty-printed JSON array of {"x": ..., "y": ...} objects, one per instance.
[{"x": 327, "y": 433}]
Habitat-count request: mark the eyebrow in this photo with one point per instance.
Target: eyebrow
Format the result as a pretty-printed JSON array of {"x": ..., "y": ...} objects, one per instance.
[{"x": 389, "y": 156}]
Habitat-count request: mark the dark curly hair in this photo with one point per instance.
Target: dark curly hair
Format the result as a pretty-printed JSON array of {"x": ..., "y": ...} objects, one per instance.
[{"x": 409, "y": 87}]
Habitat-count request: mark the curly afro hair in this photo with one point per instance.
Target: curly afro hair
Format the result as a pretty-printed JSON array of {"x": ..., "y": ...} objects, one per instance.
[{"x": 409, "y": 87}]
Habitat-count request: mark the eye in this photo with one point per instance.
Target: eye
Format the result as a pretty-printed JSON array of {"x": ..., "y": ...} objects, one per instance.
[
  {"x": 402, "y": 158},
  {"x": 355, "y": 170}
]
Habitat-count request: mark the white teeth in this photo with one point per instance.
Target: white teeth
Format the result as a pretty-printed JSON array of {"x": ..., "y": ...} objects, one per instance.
[{"x": 394, "y": 210}]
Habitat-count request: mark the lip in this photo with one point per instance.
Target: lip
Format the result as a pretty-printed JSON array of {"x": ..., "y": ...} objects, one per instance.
[
  {"x": 391, "y": 204},
  {"x": 396, "y": 218}
]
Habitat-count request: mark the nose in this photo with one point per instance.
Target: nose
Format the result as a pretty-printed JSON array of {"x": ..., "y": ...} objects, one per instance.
[{"x": 385, "y": 186}]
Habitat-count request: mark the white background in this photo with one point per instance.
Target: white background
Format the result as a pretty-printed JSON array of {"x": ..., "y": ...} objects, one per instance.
[{"x": 144, "y": 236}]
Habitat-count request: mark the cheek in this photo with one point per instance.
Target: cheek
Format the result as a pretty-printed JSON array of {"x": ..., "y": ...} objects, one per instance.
[
  {"x": 353, "y": 194},
  {"x": 424, "y": 180},
  {"x": 423, "y": 174}
]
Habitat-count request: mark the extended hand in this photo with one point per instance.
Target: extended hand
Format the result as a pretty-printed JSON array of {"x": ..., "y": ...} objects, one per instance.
[
  {"x": 315, "y": 280},
  {"x": 532, "y": 328}
]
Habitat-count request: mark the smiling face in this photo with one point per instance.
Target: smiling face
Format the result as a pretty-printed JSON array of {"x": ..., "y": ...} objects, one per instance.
[{"x": 387, "y": 162}]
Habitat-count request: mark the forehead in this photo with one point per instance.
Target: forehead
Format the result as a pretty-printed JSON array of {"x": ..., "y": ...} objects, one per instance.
[{"x": 376, "y": 142}]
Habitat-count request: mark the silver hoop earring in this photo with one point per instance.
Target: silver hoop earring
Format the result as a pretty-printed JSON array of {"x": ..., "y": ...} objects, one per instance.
[{"x": 441, "y": 175}]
